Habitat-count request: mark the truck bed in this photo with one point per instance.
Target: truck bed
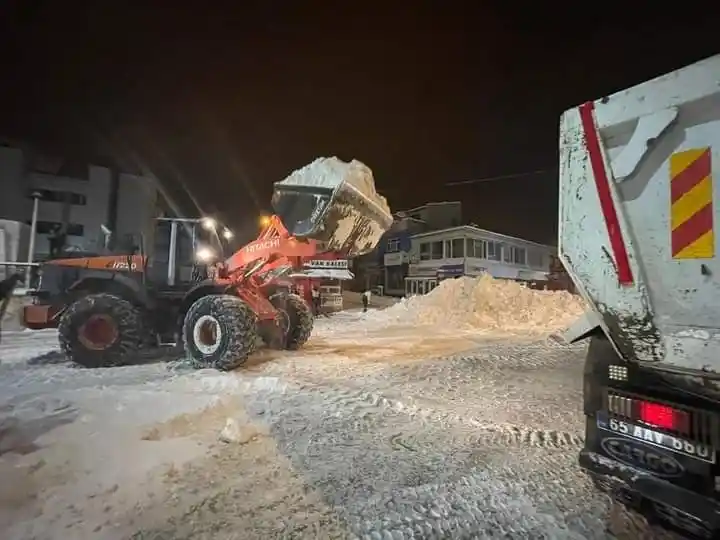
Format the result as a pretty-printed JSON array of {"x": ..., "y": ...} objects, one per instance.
[{"x": 638, "y": 175}]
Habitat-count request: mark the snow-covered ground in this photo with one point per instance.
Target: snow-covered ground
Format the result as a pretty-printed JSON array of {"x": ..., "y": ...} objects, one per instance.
[{"x": 374, "y": 430}]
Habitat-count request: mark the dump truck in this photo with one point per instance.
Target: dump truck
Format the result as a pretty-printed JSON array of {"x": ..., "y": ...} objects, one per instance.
[{"x": 638, "y": 178}]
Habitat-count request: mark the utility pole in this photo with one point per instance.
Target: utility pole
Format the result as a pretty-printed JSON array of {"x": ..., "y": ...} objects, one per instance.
[{"x": 33, "y": 233}]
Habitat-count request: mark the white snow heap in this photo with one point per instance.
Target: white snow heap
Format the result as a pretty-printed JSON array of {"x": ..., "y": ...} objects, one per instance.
[
  {"x": 356, "y": 216},
  {"x": 333, "y": 172},
  {"x": 486, "y": 303}
]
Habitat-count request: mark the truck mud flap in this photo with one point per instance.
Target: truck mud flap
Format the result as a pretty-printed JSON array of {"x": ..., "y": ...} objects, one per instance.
[{"x": 679, "y": 507}]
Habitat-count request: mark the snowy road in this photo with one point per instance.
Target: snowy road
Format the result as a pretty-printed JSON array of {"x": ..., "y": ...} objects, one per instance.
[{"x": 365, "y": 433}]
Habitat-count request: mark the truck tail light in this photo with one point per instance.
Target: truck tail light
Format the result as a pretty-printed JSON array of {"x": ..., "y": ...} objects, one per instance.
[
  {"x": 663, "y": 416},
  {"x": 698, "y": 424}
]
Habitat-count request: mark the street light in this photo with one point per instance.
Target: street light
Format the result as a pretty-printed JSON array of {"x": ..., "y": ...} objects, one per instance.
[
  {"x": 208, "y": 223},
  {"x": 205, "y": 254}
]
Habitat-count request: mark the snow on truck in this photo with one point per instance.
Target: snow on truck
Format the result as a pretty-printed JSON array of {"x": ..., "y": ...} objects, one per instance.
[{"x": 639, "y": 174}]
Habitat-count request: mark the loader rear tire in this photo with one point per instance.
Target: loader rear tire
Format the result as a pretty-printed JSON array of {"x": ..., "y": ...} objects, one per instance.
[
  {"x": 101, "y": 330},
  {"x": 299, "y": 319},
  {"x": 219, "y": 331}
]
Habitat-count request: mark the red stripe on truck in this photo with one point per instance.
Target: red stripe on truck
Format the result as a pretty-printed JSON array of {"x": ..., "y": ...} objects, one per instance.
[{"x": 602, "y": 184}]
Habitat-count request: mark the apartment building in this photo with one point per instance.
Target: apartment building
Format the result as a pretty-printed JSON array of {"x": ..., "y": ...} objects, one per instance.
[{"x": 80, "y": 195}]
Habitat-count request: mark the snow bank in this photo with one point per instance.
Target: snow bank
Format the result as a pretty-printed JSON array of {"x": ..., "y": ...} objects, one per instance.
[
  {"x": 488, "y": 303},
  {"x": 353, "y": 299},
  {"x": 12, "y": 318}
]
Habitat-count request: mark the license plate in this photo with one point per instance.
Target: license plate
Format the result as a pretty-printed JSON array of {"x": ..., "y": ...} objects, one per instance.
[{"x": 656, "y": 438}]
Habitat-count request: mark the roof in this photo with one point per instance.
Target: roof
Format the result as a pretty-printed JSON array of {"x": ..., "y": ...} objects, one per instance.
[
  {"x": 429, "y": 204},
  {"x": 478, "y": 230},
  {"x": 399, "y": 217}
]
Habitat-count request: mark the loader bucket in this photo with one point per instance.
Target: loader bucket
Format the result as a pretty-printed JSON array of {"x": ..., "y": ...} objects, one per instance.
[{"x": 334, "y": 203}]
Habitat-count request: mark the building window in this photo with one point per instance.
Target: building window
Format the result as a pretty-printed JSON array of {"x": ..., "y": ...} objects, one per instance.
[
  {"x": 507, "y": 253},
  {"x": 535, "y": 259},
  {"x": 469, "y": 247},
  {"x": 46, "y": 227},
  {"x": 494, "y": 251},
  {"x": 480, "y": 249},
  {"x": 49, "y": 195},
  {"x": 75, "y": 169},
  {"x": 425, "y": 251},
  {"x": 44, "y": 164},
  {"x": 457, "y": 246},
  {"x": 393, "y": 245},
  {"x": 436, "y": 250},
  {"x": 519, "y": 255}
]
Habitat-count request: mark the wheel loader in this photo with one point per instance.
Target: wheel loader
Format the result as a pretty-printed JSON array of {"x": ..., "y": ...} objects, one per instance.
[{"x": 108, "y": 308}]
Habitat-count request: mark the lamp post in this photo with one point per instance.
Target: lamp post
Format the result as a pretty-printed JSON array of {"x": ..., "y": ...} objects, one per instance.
[{"x": 33, "y": 232}]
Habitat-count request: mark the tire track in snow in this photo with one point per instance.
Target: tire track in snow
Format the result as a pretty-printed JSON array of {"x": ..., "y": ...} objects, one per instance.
[
  {"x": 451, "y": 499},
  {"x": 350, "y": 399}
]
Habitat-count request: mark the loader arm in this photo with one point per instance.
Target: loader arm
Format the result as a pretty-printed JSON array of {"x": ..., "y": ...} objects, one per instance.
[{"x": 273, "y": 243}]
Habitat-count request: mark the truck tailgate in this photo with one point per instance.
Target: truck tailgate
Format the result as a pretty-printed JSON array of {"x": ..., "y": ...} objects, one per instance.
[{"x": 638, "y": 200}]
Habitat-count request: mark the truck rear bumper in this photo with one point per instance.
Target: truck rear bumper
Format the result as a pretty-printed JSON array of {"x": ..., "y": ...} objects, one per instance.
[{"x": 682, "y": 508}]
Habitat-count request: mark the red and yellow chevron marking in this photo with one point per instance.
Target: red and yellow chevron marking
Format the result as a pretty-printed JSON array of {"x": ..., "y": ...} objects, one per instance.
[{"x": 691, "y": 200}]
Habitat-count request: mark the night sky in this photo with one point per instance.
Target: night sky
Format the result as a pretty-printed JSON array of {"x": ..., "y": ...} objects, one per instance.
[{"x": 226, "y": 100}]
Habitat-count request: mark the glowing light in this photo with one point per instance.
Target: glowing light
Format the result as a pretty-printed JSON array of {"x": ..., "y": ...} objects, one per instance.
[
  {"x": 227, "y": 234},
  {"x": 209, "y": 223},
  {"x": 264, "y": 221},
  {"x": 205, "y": 254}
]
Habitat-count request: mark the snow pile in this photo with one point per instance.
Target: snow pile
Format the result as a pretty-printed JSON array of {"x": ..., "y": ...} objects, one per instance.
[
  {"x": 491, "y": 304},
  {"x": 12, "y": 318},
  {"x": 354, "y": 219},
  {"x": 332, "y": 172}
]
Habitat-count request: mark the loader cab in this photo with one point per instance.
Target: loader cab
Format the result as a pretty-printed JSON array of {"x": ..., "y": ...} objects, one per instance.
[
  {"x": 301, "y": 209},
  {"x": 174, "y": 253}
]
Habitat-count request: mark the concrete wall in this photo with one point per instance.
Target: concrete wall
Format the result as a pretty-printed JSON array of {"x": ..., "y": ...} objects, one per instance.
[
  {"x": 84, "y": 217},
  {"x": 13, "y": 204},
  {"x": 438, "y": 215},
  {"x": 14, "y": 244},
  {"x": 137, "y": 205}
]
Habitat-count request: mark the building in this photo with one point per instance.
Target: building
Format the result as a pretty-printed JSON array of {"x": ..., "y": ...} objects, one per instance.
[
  {"x": 436, "y": 215},
  {"x": 82, "y": 196},
  {"x": 470, "y": 251},
  {"x": 395, "y": 251}
]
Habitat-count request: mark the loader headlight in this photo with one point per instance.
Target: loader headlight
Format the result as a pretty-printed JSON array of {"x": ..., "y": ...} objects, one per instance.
[{"x": 205, "y": 254}]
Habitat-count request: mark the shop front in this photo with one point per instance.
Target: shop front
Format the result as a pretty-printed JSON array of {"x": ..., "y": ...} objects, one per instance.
[
  {"x": 423, "y": 279},
  {"x": 328, "y": 276}
]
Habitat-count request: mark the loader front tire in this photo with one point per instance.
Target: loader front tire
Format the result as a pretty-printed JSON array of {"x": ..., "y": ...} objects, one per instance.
[
  {"x": 298, "y": 319},
  {"x": 219, "y": 331},
  {"x": 101, "y": 330}
]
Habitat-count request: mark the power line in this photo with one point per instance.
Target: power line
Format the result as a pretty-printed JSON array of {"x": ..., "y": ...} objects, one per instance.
[{"x": 501, "y": 177}]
